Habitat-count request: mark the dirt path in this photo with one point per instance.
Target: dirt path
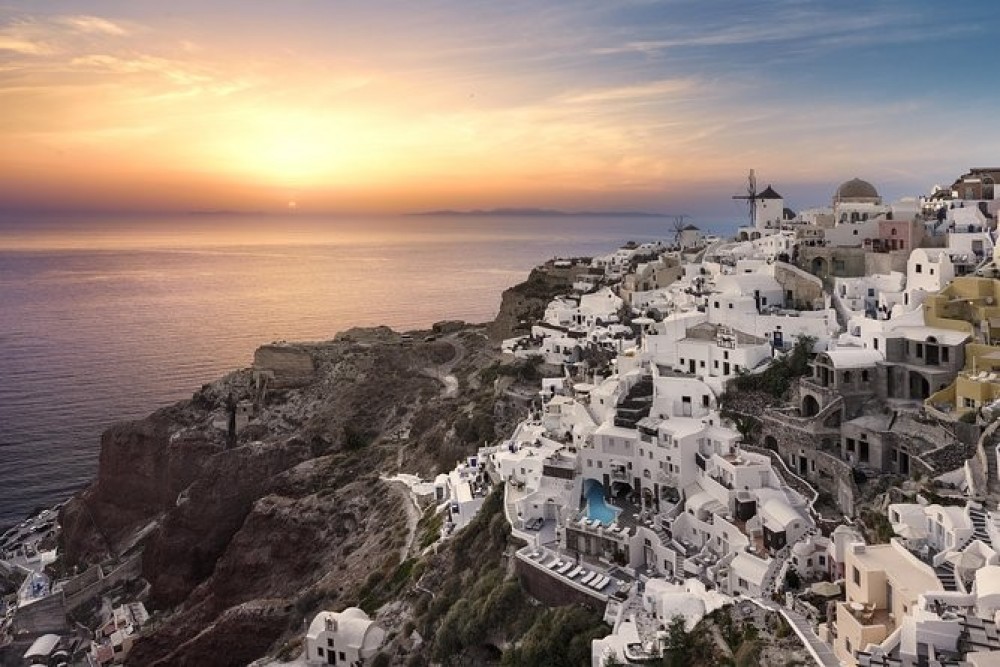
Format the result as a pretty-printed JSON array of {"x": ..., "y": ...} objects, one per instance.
[{"x": 412, "y": 515}]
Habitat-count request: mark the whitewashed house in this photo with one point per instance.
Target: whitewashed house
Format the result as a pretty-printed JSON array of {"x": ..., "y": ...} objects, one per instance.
[{"x": 348, "y": 638}]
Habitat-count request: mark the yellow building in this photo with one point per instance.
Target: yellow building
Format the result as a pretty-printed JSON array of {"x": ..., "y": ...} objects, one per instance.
[
  {"x": 971, "y": 305},
  {"x": 882, "y": 582}
]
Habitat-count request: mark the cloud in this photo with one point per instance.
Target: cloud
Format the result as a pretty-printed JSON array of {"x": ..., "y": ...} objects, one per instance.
[
  {"x": 93, "y": 25},
  {"x": 173, "y": 70},
  {"x": 23, "y": 46},
  {"x": 653, "y": 89}
]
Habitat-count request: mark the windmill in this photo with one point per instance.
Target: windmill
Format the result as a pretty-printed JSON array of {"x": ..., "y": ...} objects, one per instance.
[
  {"x": 679, "y": 229},
  {"x": 751, "y": 197}
]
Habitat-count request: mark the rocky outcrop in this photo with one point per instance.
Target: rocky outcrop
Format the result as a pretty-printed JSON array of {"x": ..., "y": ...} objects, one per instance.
[
  {"x": 142, "y": 470},
  {"x": 241, "y": 541},
  {"x": 525, "y": 302}
]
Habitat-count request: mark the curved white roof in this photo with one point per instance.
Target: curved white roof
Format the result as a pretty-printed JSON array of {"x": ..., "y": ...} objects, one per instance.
[
  {"x": 781, "y": 512},
  {"x": 853, "y": 357}
]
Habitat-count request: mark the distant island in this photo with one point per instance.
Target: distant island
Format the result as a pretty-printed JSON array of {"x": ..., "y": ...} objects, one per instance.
[{"x": 546, "y": 212}]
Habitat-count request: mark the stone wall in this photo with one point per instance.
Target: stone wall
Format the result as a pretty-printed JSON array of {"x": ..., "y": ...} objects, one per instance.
[
  {"x": 828, "y": 261},
  {"x": 810, "y": 453},
  {"x": 886, "y": 262},
  {"x": 41, "y": 616},
  {"x": 285, "y": 365},
  {"x": 551, "y": 590},
  {"x": 806, "y": 290}
]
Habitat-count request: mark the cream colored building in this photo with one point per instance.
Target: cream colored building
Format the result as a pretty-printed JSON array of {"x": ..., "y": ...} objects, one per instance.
[{"x": 883, "y": 582}]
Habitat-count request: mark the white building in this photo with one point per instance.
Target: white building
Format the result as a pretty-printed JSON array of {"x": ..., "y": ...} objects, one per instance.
[{"x": 347, "y": 638}]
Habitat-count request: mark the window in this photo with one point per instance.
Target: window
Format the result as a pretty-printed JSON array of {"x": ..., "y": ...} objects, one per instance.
[
  {"x": 944, "y": 354},
  {"x": 847, "y": 376},
  {"x": 319, "y": 651},
  {"x": 864, "y": 376},
  {"x": 918, "y": 269},
  {"x": 932, "y": 272},
  {"x": 850, "y": 444},
  {"x": 716, "y": 304},
  {"x": 893, "y": 231},
  {"x": 863, "y": 452},
  {"x": 343, "y": 657},
  {"x": 730, "y": 306},
  {"x": 920, "y": 350},
  {"x": 857, "y": 576},
  {"x": 701, "y": 363},
  {"x": 329, "y": 642}
]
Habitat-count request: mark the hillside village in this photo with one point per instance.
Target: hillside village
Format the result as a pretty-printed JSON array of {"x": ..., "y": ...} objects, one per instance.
[
  {"x": 803, "y": 417},
  {"x": 797, "y": 423}
]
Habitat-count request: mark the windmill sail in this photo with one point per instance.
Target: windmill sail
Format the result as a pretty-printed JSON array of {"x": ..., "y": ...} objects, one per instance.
[{"x": 751, "y": 197}]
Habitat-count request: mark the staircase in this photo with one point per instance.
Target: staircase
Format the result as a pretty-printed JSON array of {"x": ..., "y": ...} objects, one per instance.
[
  {"x": 992, "y": 482},
  {"x": 946, "y": 575},
  {"x": 979, "y": 519}
]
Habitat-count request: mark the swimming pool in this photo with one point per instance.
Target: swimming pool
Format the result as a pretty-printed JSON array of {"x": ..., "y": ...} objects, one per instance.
[{"x": 596, "y": 507}]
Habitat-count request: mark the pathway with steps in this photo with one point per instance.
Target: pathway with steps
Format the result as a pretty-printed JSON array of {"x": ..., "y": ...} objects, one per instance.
[
  {"x": 946, "y": 575},
  {"x": 979, "y": 518},
  {"x": 992, "y": 481},
  {"x": 821, "y": 652}
]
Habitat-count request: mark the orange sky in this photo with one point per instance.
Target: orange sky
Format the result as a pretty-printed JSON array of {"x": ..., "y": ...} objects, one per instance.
[{"x": 339, "y": 108}]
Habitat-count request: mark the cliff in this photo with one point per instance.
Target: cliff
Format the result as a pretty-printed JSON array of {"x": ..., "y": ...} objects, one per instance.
[
  {"x": 242, "y": 541},
  {"x": 525, "y": 302}
]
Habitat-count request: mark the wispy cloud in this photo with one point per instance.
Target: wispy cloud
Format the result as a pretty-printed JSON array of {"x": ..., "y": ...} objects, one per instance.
[
  {"x": 644, "y": 91},
  {"x": 23, "y": 46},
  {"x": 93, "y": 25},
  {"x": 173, "y": 70}
]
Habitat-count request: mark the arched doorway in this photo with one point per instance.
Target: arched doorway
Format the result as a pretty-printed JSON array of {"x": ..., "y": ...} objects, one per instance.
[
  {"x": 810, "y": 406},
  {"x": 818, "y": 267}
]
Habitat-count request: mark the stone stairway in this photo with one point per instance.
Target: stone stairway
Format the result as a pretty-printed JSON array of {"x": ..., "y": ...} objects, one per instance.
[
  {"x": 992, "y": 481},
  {"x": 979, "y": 519},
  {"x": 946, "y": 575}
]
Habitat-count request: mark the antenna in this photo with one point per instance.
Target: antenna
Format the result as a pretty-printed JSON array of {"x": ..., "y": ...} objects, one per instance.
[{"x": 751, "y": 197}]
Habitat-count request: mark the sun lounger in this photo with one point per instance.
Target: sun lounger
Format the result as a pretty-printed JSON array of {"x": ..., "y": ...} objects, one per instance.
[
  {"x": 602, "y": 583},
  {"x": 596, "y": 581},
  {"x": 587, "y": 578},
  {"x": 575, "y": 571},
  {"x": 565, "y": 568},
  {"x": 554, "y": 564}
]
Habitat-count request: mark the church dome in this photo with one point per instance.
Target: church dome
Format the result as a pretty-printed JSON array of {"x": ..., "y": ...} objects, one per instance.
[{"x": 858, "y": 191}]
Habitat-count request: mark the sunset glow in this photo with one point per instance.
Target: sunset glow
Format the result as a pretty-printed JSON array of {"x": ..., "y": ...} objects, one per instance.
[{"x": 394, "y": 107}]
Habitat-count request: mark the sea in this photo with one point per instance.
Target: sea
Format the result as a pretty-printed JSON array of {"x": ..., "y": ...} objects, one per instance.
[{"x": 105, "y": 319}]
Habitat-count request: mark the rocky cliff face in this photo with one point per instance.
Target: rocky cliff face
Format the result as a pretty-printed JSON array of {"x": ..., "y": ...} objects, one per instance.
[
  {"x": 526, "y": 302},
  {"x": 241, "y": 542}
]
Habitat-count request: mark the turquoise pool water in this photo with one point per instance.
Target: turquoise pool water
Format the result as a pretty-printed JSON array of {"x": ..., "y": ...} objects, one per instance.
[{"x": 596, "y": 507}]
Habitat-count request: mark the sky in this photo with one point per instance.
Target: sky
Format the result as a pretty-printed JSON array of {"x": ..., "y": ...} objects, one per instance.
[{"x": 343, "y": 106}]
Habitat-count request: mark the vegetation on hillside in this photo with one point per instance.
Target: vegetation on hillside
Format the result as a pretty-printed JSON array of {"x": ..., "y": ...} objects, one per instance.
[
  {"x": 777, "y": 379},
  {"x": 478, "y": 613}
]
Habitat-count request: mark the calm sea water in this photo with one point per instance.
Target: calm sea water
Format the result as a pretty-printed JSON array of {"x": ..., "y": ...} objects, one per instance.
[{"x": 104, "y": 320}]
